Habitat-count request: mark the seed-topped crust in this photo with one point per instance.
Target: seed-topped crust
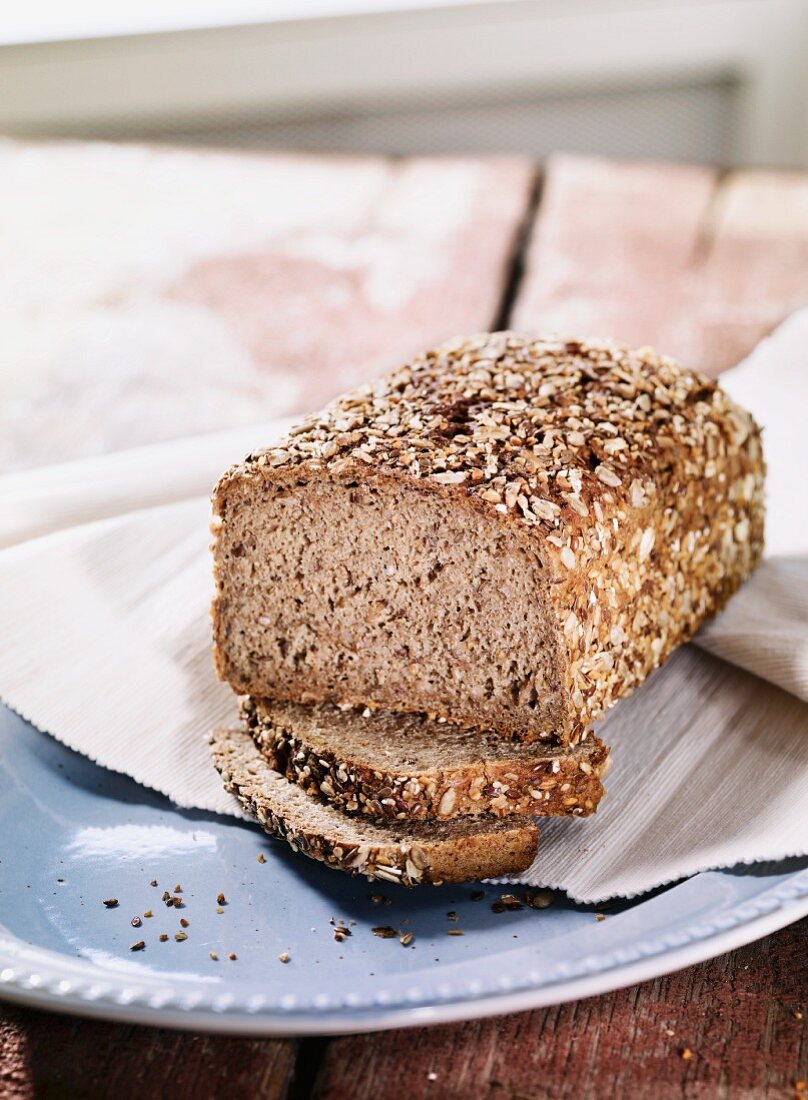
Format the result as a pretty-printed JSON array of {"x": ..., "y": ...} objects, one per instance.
[
  {"x": 406, "y": 767},
  {"x": 410, "y": 854},
  {"x": 639, "y": 485}
]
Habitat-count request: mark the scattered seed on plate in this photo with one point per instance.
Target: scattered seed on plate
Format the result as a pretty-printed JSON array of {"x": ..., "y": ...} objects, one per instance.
[
  {"x": 221, "y": 899},
  {"x": 542, "y": 899},
  {"x": 341, "y": 933},
  {"x": 455, "y": 932},
  {"x": 163, "y": 937},
  {"x": 451, "y": 915},
  {"x": 177, "y": 903},
  {"x": 213, "y": 955},
  {"x": 220, "y": 910},
  {"x": 111, "y": 903},
  {"x": 262, "y": 858},
  {"x": 506, "y": 902},
  {"x": 180, "y": 936},
  {"x": 406, "y": 939},
  {"x": 384, "y": 932},
  {"x": 167, "y": 897},
  {"x": 232, "y": 956},
  {"x": 148, "y": 913},
  {"x": 184, "y": 922},
  {"x": 284, "y": 957},
  {"x": 136, "y": 922},
  {"x": 600, "y": 916},
  {"x": 153, "y": 882},
  {"x": 139, "y": 946},
  {"x": 178, "y": 889}
]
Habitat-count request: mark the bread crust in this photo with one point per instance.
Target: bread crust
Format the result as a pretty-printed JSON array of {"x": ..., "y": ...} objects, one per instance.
[
  {"x": 407, "y": 854},
  {"x": 639, "y": 486},
  {"x": 539, "y": 783}
]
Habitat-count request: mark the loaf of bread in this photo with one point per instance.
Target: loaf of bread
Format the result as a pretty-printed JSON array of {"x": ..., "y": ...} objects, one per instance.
[
  {"x": 406, "y": 767},
  {"x": 510, "y": 532},
  {"x": 406, "y": 853}
]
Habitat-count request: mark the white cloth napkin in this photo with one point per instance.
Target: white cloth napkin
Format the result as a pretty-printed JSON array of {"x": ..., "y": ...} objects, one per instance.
[{"x": 106, "y": 646}]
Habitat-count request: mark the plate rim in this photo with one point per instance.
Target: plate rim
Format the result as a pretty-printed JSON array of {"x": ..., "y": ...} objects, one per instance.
[{"x": 28, "y": 990}]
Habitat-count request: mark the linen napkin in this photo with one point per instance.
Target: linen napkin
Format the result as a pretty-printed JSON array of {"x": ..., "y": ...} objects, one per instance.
[{"x": 106, "y": 647}]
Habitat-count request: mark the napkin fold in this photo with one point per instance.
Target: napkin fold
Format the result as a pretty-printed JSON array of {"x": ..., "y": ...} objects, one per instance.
[{"x": 106, "y": 646}]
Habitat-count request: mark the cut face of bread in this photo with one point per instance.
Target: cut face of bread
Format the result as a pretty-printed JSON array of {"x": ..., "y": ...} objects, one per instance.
[
  {"x": 360, "y": 591},
  {"x": 410, "y": 854},
  {"x": 408, "y": 767},
  {"x": 510, "y": 532}
]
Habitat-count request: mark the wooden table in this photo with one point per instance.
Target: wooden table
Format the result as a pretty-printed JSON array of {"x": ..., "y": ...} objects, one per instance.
[{"x": 181, "y": 292}]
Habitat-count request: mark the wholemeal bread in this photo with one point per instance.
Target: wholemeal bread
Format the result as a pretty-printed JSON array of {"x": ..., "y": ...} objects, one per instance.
[
  {"x": 408, "y": 767},
  {"x": 407, "y": 853},
  {"x": 511, "y": 532}
]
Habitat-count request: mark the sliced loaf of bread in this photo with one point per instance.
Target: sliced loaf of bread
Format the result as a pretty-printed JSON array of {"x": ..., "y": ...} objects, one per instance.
[
  {"x": 409, "y": 767},
  {"x": 510, "y": 532},
  {"x": 407, "y": 853}
]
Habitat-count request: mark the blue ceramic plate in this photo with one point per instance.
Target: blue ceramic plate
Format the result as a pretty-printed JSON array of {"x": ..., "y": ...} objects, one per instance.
[{"x": 73, "y": 835}]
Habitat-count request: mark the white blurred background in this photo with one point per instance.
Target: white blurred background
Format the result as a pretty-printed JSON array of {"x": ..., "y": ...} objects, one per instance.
[
  {"x": 718, "y": 81},
  {"x": 152, "y": 288}
]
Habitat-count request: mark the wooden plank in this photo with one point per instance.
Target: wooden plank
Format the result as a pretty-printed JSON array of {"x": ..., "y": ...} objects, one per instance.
[
  {"x": 152, "y": 293},
  {"x": 697, "y": 265},
  {"x": 754, "y": 265},
  {"x": 736, "y": 1014},
  {"x": 611, "y": 249},
  {"x": 72, "y": 1059}
]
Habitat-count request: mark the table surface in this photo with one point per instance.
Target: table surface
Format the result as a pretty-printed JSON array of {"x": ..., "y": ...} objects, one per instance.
[{"x": 262, "y": 285}]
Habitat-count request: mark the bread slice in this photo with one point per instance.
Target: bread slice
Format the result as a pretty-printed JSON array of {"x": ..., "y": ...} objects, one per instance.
[
  {"x": 408, "y": 767},
  {"x": 407, "y": 853},
  {"x": 510, "y": 532}
]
